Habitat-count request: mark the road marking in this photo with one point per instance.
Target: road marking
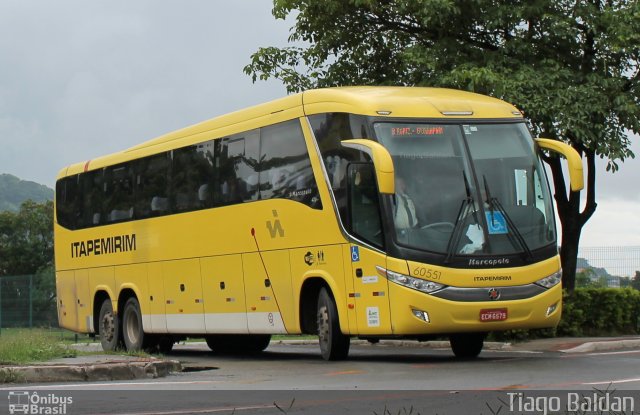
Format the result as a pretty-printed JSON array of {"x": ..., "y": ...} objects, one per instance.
[
  {"x": 612, "y": 353},
  {"x": 231, "y": 409},
  {"x": 614, "y": 382},
  {"x": 111, "y": 384}
]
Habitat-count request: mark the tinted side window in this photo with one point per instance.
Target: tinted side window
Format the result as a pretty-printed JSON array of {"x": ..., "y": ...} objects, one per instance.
[
  {"x": 152, "y": 186},
  {"x": 329, "y": 130},
  {"x": 190, "y": 177},
  {"x": 285, "y": 169},
  {"x": 92, "y": 199},
  {"x": 364, "y": 208},
  {"x": 67, "y": 194},
  {"x": 237, "y": 179},
  {"x": 118, "y": 194}
]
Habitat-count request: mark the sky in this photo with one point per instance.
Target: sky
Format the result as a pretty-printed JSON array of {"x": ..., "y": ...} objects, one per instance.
[{"x": 81, "y": 79}]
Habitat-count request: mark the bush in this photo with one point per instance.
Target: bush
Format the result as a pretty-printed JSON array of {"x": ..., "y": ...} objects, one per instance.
[
  {"x": 600, "y": 312},
  {"x": 589, "y": 312}
]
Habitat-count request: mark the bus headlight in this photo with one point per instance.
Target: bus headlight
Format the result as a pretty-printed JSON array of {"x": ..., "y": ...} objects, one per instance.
[
  {"x": 551, "y": 280},
  {"x": 410, "y": 282}
]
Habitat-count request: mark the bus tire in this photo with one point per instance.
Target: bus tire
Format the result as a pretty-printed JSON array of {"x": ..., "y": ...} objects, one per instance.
[
  {"x": 466, "y": 345},
  {"x": 108, "y": 327},
  {"x": 333, "y": 344},
  {"x": 132, "y": 332},
  {"x": 238, "y": 343}
]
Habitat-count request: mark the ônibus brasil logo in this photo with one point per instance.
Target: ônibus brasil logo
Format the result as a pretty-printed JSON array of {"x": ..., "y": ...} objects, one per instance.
[{"x": 23, "y": 402}]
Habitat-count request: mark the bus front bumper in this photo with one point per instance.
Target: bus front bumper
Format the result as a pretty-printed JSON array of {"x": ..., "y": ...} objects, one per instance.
[{"x": 417, "y": 313}]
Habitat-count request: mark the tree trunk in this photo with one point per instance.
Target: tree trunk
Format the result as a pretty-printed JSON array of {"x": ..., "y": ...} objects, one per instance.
[
  {"x": 571, "y": 219},
  {"x": 569, "y": 254}
]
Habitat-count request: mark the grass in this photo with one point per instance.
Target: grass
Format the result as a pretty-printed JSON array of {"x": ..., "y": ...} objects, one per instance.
[
  {"x": 29, "y": 346},
  {"x": 23, "y": 346}
]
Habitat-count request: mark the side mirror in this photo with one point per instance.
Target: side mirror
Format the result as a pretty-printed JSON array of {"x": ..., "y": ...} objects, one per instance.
[
  {"x": 382, "y": 162},
  {"x": 576, "y": 176}
]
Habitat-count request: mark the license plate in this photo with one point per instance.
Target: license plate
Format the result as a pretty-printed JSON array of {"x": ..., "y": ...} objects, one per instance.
[{"x": 493, "y": 314}]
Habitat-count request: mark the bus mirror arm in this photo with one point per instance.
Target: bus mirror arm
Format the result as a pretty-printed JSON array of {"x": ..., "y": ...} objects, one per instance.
[
  {"x": 573, "y": 159},
  {"x": 382, "y": 162}
]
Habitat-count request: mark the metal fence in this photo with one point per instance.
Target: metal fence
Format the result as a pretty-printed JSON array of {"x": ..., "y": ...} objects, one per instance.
[
  {"x": 28, "y": 301},
  {"x": 619, "y": 261}
]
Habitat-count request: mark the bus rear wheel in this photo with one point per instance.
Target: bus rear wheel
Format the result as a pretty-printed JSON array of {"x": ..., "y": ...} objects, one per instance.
[
  {"x": 238, "y": 343},
  {"x": 333, "y": 344},
  {"x": 132, "y": 332},
  {"x": 108, "y": 327},
  {"x": 466, "y": 345}
]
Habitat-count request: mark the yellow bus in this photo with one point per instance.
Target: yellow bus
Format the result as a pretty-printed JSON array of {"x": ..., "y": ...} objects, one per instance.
[{"x": 369, "y": 212}]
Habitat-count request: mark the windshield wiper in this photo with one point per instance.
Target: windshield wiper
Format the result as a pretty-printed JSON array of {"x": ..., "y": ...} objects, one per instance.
[
  {"x": 494, "y": 204},
  {"x": 454, "y": 239}
]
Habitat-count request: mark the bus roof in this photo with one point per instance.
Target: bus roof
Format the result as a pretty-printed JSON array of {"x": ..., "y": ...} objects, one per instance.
[{"x": 364, "y": 100}]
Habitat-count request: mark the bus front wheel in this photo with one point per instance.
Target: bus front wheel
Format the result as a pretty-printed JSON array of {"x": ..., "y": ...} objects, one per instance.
[
  {"x": 333, "y": 344},
  {"x": 466, "y": 345},
  {"x": 108, "y": 327},
  {"x": 132, "y": 332}
]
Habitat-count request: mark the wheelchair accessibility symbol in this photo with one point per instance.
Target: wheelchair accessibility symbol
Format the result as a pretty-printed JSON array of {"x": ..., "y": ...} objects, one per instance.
[
  {"x": 355, "y": 254},
  {"x": 496, "y": 223}
]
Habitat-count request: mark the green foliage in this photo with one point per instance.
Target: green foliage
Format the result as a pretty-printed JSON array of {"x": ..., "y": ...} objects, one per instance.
[
  {"x": 27, "y": 274},
  {"x": 27, "y": 346},
  {"x": 600, "y": 312},
  {"x": 589, "y": 311},
  {"x": 13, "y": 192},
  {"x": 589, "y": 278},
  {"x": 635, "y": 281},
  {"x": 26, "y": 239},
  {"x": 573, "y": 67}
]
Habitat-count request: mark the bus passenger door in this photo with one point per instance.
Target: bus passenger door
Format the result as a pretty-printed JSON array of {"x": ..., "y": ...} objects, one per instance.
[
  {"x": 370, "y": 293},
  {"x": 223, "y": 293}
]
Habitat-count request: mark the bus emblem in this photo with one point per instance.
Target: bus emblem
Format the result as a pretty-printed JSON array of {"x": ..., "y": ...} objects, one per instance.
[
  {"x": 309, "y": 258},
  {"x": 275, "y": 228},
  {"x": 494, "y": 294}
]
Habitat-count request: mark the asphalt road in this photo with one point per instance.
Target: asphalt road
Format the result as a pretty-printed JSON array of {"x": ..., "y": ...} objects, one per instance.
[{"x": 375, "y": 380}]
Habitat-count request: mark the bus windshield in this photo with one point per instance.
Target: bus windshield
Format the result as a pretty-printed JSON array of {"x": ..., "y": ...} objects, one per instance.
[{"x": 468, "y": 189}]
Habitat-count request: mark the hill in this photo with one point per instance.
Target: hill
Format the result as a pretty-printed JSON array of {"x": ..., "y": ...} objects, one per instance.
[{"x": 14, "y": 191}]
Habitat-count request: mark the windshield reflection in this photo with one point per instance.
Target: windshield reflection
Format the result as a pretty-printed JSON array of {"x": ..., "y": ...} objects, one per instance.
[{"x": 443, "y": 175}]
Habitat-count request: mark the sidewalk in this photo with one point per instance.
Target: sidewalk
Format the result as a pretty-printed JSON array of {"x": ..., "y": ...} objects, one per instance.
[{"x": 100, "y": 367}]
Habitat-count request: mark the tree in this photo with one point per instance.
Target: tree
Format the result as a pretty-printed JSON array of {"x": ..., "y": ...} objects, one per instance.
[
  {"x": 26, "y": 239},
  {"x": 571, "y": 66},
  {"x": 584, "y": 278},
  {"x": 635, "y": 281},
  {"x": 26, "y": 249}
]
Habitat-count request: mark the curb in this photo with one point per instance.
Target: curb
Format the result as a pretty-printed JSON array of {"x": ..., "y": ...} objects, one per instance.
[
  {"x": 141, "y": 369},
  {"x": 590, "y": 347},
  {"x": 432, "y": 344}
]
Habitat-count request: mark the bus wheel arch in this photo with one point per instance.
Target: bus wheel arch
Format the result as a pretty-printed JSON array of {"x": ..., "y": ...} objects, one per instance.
[
  {"x": 98, "y": 298},
  {"x": 309, "y": 304}
]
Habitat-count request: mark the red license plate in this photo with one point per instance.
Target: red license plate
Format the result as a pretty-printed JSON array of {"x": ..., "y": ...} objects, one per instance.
[{"x": 493, "y": 314}]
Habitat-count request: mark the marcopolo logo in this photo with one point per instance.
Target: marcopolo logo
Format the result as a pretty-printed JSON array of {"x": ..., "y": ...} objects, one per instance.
[{"x": 23, "y": 402}]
